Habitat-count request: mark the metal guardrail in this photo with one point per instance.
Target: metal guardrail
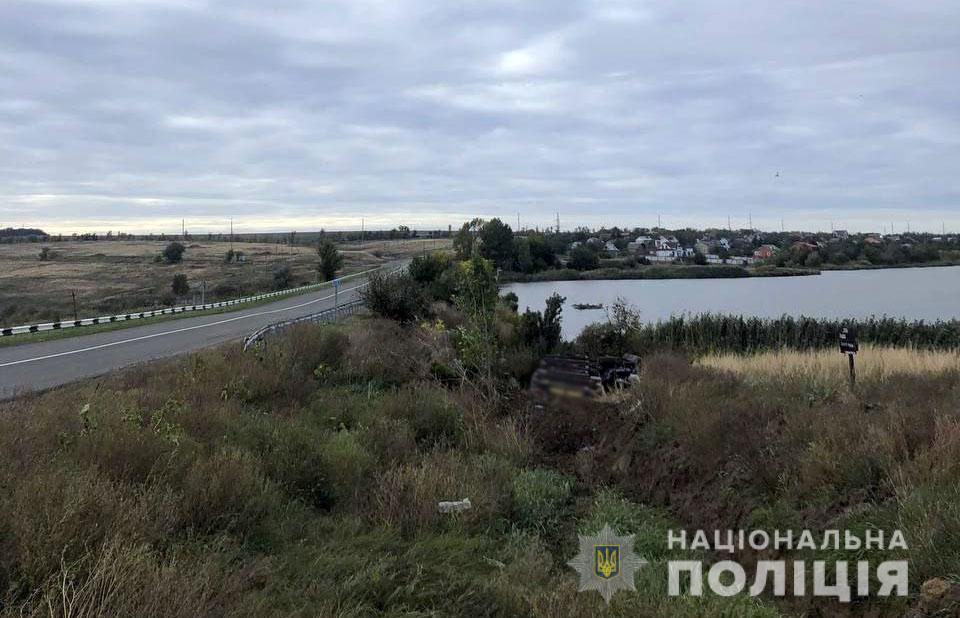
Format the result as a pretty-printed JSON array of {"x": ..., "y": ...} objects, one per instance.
[
  {"x": 139, "y": 315},
  {"x": 321, "y": 317}
]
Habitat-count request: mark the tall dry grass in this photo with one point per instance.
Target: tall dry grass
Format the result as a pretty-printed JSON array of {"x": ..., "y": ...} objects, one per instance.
[{"x": 873, "y": 363}]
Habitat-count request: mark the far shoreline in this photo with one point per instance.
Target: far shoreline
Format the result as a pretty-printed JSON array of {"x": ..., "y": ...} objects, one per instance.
[
  {"x": 656, "y": 272},
  {"x": 685, "y": 271}
]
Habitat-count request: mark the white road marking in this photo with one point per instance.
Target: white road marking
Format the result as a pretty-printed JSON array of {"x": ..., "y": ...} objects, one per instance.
[{"x": 173, "y": 332}]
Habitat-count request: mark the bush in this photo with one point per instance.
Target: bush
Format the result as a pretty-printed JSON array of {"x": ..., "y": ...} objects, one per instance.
[
  {"x": 430, "y": 413},
  {"x": 227, "y": 493},
  {"x": 348, "y": 464},
  {"x": 541, "y": 499},
  {"x": 180, "y": 286},
  {"x": 281, "y": 277},
  {"x": 428, "y": 268},
  {"x": 173, "y": 253},
  {"x": 395, "y": 296}
]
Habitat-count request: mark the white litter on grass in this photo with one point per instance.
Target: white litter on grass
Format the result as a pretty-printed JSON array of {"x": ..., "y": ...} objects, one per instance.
[{"x": 455, "y": 507}]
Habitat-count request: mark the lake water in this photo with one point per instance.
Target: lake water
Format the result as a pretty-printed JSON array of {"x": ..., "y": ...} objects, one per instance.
[{"x": 912, "y": 293}]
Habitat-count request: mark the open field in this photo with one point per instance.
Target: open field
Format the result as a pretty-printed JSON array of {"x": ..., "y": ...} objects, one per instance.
[
  {"x": 873, "y": 363},
  {"x": 114, "y": 276}
]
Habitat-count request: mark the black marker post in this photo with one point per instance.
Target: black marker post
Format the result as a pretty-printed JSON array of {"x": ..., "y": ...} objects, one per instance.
[{"x": 850, "y": 346}]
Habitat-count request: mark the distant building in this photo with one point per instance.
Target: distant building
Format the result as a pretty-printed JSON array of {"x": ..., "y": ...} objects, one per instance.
[
  {"x": 641, "y": 245},
  {"x": 666, "y": 243},
  {"x": 765, "y": 252},
  {"x": 611, "y": 248}
]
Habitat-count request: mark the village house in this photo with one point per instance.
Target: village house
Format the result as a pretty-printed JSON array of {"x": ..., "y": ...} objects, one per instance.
[
  {"x": 641, "y": 245},
  {"x": 765, "y": 252},
  {"x": 667, "y": 243}
]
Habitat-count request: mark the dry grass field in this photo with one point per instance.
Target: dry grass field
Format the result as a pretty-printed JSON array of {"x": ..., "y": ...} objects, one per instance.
[
  {"x": 120, "y": 275},
  {"x": 829, "y": 366}
]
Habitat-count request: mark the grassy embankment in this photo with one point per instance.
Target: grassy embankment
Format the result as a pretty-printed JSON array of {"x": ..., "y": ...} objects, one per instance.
[
  {"x": 659, "y": 271},
  {"x": 303, "y": 480}
]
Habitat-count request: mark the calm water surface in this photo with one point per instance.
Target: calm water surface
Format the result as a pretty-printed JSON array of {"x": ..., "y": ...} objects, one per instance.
[{"x": 912, "y": 293}]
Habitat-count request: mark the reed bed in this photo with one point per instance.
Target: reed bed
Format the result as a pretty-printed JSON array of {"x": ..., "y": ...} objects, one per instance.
[{"x": 878, "y": 363}]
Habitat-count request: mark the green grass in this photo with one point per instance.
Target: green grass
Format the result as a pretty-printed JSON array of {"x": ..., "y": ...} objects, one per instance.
[{"x": 303, "y": 480}]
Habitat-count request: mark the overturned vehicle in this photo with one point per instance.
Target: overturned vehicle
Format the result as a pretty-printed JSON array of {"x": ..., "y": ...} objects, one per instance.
[{"x": 582, "y": 377}]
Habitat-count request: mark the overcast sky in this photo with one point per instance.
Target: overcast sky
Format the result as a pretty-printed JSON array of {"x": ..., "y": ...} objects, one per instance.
[{"x": 133, "y": 114}]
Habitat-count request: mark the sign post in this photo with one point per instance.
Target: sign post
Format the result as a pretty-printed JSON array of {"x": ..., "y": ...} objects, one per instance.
[{"x": 850, "y": 346}]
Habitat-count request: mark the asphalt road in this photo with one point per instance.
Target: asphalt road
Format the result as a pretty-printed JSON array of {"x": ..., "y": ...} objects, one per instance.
[{"x": 37, "y": 366}]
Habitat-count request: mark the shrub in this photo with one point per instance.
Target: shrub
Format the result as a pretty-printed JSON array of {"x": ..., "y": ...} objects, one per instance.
[
  {"x": 541, "y": 499},
  {"x": 228, "y": 493},
  {"x": 179, "y": 286},
  {"x": 430, "y": 413},
  {"x": 281, "y": 277},
  {"x": 348, "y": 464},
  {"x": 395, "y": 296},
  {"x": 173, "y": 253},
  {"x": 428, "y": 268}
]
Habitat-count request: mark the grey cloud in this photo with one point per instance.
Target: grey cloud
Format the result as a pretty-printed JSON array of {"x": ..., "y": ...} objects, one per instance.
[{"x": 307, "y": 114}]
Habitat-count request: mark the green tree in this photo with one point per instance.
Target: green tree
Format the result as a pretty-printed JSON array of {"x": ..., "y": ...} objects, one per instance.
[
  {"x": 180, "y": 286},
  {"x": 584, "y": 258},
  {"x": 497, "y": 239},
  {"x": 524, "y": 257},
  {"x": 173, "y": 252},
  {"x": 330, "y": 260},
  {"x": 464, "y": 239},
  {"x": 542, "y": 331}
]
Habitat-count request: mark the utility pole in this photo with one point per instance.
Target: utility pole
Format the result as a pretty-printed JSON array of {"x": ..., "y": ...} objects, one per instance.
[
  {"x": 729, "y": 225},
  {"x": 751, "y": 221},
  {"x": 183, "y": 229},
  {"x": 74, "y": 294},
  {"x": 231, "y": 233},
  {"x": 781, "y": 225},
  {"x": 558, "y": 222}
]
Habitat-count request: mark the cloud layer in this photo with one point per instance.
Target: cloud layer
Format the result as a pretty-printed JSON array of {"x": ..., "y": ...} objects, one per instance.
[{"x": 133, "y": 114}]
